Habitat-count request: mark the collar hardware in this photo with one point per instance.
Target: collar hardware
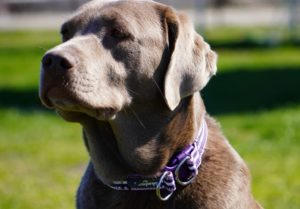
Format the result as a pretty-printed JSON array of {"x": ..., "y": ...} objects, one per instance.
[{"x": 182, "y": 169}]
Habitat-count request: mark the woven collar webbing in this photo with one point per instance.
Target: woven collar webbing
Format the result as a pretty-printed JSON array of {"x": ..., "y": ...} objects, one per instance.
[{"x": 182, "y": 168}]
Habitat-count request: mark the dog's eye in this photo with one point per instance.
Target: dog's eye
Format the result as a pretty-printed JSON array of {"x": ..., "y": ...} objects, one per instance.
[{"x": 118, "y": 33}]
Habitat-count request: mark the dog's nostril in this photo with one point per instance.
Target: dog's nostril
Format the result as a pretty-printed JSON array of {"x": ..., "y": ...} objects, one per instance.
[
  {"x": 47, "y": 61},
  {"x": 65, "y": 64},
  {"x": 56, "y": 62}
]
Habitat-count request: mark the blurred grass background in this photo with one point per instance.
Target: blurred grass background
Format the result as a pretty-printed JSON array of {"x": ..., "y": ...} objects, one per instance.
[{"x": 255, "y": 96}]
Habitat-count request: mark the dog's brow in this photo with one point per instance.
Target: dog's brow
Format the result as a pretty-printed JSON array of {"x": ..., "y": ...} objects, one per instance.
[
  {"x": 63, "y": 28},
  {"x": 108, "y": 19},
  {"x": 115, "y": 21}
]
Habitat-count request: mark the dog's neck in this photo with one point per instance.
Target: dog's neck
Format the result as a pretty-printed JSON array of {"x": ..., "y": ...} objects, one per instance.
[{"x": 142, "y": 139}]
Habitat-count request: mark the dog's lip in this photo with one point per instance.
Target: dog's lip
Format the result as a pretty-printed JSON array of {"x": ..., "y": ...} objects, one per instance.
[
  {"x": 72, "y": 104},
  {"x": 106, "y": 113},
  {"x": 99, "y": 113},
  {"x": 46, "y": 101}
]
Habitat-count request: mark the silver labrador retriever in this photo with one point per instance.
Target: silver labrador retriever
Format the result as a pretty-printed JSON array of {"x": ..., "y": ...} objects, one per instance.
[{"x": 130, "y": 73}]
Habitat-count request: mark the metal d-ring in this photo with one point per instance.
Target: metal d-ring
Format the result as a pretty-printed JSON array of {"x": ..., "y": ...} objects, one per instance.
[
  {"x": 158, "y": 187},
  {"x": 178, "y": 180}
]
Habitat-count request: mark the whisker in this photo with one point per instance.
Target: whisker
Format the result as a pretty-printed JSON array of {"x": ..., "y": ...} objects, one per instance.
[
  {"x": 132, "y": 91},
  {"x": 137, "y": 118},
  {"x": 160, "y": 91},
  {"x": 125, "y": 110},
  {"x": 39, "y": 47}
]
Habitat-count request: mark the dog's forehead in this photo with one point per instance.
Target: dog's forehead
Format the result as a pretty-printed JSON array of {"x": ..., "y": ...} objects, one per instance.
[
  {"x": 133, "y": 12},
  {"x": 141, "y": 18},
  {"x": 97, "y": 3}
]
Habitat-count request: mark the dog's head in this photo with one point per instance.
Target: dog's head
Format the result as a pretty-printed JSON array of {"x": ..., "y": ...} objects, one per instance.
[{"x": 116, "y": 53}]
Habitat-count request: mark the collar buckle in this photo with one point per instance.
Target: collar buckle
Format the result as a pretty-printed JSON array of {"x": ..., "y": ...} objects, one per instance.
[
  {"x": 183, "y": 174},
  {"x": 165, "y": 186}
]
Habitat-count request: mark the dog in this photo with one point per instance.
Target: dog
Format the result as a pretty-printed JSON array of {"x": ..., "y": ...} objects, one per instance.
[{"x": 130, "y": 73}]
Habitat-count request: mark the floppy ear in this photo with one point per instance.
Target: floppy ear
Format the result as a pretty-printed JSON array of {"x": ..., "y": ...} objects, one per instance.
[{"x": 192, "y": 62}]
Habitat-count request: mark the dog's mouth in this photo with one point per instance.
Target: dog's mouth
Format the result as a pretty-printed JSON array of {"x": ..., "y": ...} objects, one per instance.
[
  {"x": 78, "y": 115},
  {"x": 72, "y": 109}
]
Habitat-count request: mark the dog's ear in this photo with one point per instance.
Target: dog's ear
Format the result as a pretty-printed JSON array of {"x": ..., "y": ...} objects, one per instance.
[{"x": 191, "y": 63}]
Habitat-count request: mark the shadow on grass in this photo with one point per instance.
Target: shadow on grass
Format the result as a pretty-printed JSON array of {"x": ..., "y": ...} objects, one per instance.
[
  {"x": 229, "y": 92},
  {"x": 22, "y": 99},
  {"x": 242, "y": 91}
]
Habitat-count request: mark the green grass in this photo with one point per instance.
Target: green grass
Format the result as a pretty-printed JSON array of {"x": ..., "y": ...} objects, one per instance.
[
  {"x": 269, "y": 142},
  {"x": 255, "y": 97},
  {"x": 258, "y": 59},
  {"x": 30, "y": 39},
  {"x": 41, "y": 160},
  {"x": 250, "y": 36},
  {"x": 20, "y": 54}
]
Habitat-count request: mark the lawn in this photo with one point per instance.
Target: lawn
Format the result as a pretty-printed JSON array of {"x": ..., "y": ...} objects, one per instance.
[{"x": 255, "y": 96}]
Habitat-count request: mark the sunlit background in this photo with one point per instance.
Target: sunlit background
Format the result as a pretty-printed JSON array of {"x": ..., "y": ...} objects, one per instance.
[{"x": 255, "y": 96}]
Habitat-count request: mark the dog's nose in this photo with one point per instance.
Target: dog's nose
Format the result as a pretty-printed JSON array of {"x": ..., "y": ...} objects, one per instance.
[{"x": 56, "y": 62}]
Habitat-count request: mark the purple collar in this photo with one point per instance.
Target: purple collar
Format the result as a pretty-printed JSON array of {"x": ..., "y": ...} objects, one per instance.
[{"x": 181, "y": 169}]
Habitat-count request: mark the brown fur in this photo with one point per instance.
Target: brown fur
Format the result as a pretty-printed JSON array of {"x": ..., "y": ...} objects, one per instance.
[{"x": 130, "y": 72}]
